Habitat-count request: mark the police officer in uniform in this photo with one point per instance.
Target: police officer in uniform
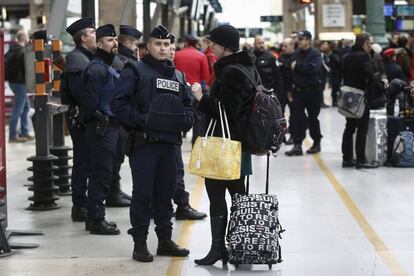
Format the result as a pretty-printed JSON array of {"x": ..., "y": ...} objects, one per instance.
[
  {"x": 83, "y": 33},
  {"x": 102, "y": 131},
  {"x": 268, "y": 68},
  {"x": 128, "y": 39},
  {"x": 306, "y": 67},
  {"x": 151, "y": 100}
]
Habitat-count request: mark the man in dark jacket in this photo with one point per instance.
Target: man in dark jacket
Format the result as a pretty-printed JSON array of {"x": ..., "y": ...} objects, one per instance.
[
  {"x": 83, "y": 33},
  {"x": 285, "y": 61},
  {"x": 306, "y": 95},
  {"x": 102, "y": 130},
  {"x": 17, "y": 83},
  {"x": 268, "y": 68},
  {"x": 358, "y": 73},
  {"x": 156, "y": 107}
]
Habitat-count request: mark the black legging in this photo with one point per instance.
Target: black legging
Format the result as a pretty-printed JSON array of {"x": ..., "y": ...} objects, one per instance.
[{"x": 216, "y": 190}]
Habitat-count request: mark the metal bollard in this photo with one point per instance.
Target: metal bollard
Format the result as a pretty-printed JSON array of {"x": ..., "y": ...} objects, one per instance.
[
  {"x": 43, "y": 179},
  {"x": 59, "y": 149}
]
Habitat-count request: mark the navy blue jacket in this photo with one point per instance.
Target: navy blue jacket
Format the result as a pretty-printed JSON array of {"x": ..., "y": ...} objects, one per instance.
[
  {"x": 137, "y": 90},
  {"x": 76, "y": 60},
  {"x": 308, "y": 67},
  {"x": 94, "y": 78}
]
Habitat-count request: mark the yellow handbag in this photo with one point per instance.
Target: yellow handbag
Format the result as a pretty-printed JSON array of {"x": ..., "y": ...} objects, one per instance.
[{"x": 216, "y": 157}]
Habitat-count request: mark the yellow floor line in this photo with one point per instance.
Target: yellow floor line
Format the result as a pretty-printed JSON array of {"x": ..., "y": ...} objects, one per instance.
[
  {"x": 176, "y": 263},
  {"x": 380, "y": 247}
]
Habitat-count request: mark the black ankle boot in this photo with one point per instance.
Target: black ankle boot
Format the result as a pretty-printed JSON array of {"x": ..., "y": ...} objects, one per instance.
[
  {"x": 218, "y": 250},
  {"x": 296, "y": 150},
  {"x": 186, "y": 212},
  {"x": 169, "y": 248},
  {"x": 141, "y": 253},
  {"x": 117, "y": 198}
]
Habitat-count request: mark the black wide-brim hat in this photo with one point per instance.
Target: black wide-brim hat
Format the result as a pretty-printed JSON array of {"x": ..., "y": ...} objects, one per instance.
[{"x": 226, "y": 36}]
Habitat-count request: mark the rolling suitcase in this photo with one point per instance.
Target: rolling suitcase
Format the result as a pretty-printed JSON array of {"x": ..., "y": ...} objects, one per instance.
[
  {"x": 254, "y": 230},
  {"x": 394, "y": 126},
  {"x": 376, "y": 145}
]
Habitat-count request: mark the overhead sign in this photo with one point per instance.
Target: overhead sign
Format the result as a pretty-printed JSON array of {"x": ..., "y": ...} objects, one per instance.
[
  {"x": 271, "y": 18},
  {"x": 333, "y": 15}
]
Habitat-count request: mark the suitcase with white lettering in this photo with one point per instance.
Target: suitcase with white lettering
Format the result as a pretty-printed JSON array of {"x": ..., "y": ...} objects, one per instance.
[{"x": 254, "y": 230}]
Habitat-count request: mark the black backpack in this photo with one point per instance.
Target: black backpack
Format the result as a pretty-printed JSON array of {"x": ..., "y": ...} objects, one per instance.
[{"x": 266, "y": 124}]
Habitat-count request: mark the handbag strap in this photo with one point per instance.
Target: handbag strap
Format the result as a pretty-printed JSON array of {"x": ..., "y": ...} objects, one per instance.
[
  {"x": 225, "y": 124},
  {"x": 209, "y": 126}
]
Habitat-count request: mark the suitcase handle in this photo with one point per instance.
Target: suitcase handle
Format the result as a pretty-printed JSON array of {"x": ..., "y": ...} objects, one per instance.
[{"x": 267, "y": 176}]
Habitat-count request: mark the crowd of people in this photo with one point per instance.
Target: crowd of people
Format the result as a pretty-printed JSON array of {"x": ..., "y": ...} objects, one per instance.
[{"x": 139, "y": 98}]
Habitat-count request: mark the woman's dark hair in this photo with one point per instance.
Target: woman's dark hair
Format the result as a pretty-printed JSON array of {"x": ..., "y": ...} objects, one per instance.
[{"x": 402, "y": 41}]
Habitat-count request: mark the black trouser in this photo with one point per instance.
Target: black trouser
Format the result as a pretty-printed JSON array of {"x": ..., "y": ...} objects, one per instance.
[
  {"x": 180, "y": 196},
  {"x": 335, "y": 91},
  {"x": 308, "y": 98},
  {"x": 118, "y": 161},
  {"x": 81, "y": 165},
  {"x": 216, "y": 190},
  {"x": 361, "y": 137}
]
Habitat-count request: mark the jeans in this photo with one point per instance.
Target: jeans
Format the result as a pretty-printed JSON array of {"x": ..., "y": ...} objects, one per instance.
[{"x": 20, "y": 111}]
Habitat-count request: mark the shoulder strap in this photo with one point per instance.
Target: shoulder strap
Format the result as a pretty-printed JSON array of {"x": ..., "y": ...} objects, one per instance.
[
  {"x": 246, "y": 72},
  {"x": 181, "y": 77}
]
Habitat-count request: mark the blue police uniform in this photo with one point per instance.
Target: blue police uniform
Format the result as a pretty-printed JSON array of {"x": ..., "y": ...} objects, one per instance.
[
  {"x": 102, "y": 131},
  {"x": 76, "y": 60},
  {"x": 71, "y": 94},
  {"x": 306, "y": 95},
  {"x": 163, "y": 109}
]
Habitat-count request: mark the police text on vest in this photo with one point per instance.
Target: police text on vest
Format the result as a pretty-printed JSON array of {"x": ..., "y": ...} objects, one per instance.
[{"x": 168, "y": 84}]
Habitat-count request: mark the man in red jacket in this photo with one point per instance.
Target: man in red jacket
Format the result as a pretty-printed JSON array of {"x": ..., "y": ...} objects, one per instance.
[{"x": 194, "y": 65}]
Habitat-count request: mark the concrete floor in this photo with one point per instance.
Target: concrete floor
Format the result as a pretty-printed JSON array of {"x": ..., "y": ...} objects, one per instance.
[{"x": 338, "y": 221}]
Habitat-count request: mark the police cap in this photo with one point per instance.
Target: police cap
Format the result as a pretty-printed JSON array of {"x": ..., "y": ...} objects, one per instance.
[
  {"x": 79, "y": 25},
  {"x": 105, "y": 30},
  {"x": 160, "y": 32},
  {"x": 129, "y": 30}
]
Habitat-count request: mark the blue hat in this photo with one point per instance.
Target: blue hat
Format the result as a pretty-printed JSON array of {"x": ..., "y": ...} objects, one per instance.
[
  {"x": 172, "y": 38},
  {"x": 105, "y": 30},
  {"x": 191, "y": 38},
  {"x": 129, "y": 30},
  {"x": 305, "y": 34},
  {"x": 160, "y": 32},
  {"x": 79, "y": 25}
]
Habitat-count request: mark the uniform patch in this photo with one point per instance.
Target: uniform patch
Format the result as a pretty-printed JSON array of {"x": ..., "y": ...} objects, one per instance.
[{"x": 168, "y": 84}]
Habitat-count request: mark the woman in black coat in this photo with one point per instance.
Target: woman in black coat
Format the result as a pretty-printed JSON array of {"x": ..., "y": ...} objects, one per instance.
[{"x": 235, "y": 93}]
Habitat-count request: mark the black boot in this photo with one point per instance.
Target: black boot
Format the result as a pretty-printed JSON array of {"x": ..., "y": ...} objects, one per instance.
[
  {"x": 186, "y": 212},
  {"x": 169, "y": 248},
  {"x": 218, "y": 249},
  {"x": 364, "y": 164},
  {"x": 109, "y": 223},
  {"x": 141, "y": 253},
  {"x": 316, "y": 147},
  {"x": 116, "y": 197},
  {"x": 79, "y": 213},
  {"x": 296, "y": 150},
  {"x": 102, "y": 227}
]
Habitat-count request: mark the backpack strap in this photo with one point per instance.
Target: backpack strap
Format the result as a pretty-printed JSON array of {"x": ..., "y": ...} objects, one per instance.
[{"x": 247, "y": 73}]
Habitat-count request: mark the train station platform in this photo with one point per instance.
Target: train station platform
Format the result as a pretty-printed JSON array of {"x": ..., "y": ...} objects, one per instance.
[{"x": 342, "y": 222}]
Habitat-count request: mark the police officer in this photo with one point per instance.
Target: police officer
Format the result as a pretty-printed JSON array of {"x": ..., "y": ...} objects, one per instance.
[
  {"x": 128, "y": 39},
  {"x": 102, "y": 131},
  {"x": 184, "y": 210},
  {"x": 152, "y": 101},
  {"x": 268, "y": 69},
  {"x": 83, "y": 33},
  {"x": 306, "y": 68}
]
